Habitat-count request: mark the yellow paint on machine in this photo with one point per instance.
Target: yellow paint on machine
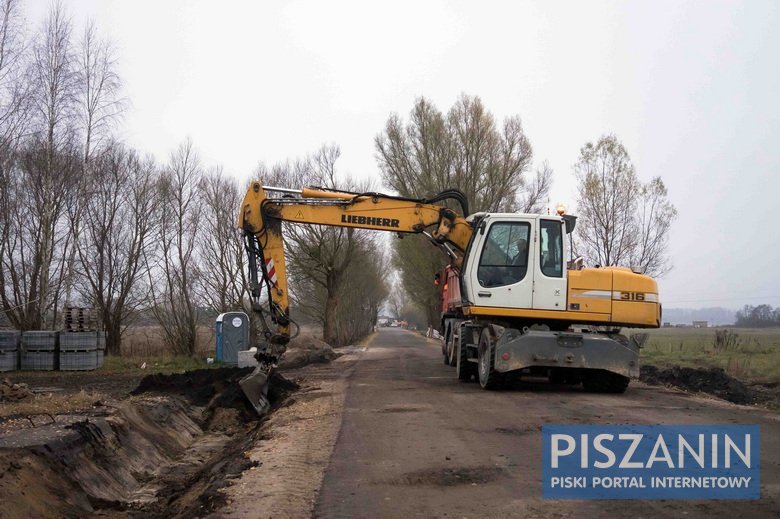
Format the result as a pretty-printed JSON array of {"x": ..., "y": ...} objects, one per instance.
[
  {"x": 595, "y": 298},
  {"x": 591, "y": 289},
  {"x": 639, "y": 315}
]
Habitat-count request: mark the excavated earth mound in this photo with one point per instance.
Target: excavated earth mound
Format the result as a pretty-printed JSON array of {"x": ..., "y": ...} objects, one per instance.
[
  {"x": 713, "y": 381},
  {"x": 307, "y": 349}
]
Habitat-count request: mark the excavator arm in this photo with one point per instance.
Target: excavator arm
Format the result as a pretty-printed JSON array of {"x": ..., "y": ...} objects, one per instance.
[{"x": 260, "y": 220}]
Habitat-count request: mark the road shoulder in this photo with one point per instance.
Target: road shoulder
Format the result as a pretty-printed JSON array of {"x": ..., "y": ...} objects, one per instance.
[{"x": 296, "y": 447}]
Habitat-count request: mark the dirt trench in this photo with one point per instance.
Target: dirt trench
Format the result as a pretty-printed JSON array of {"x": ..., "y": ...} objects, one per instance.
[{"x": 163, "y": 452}]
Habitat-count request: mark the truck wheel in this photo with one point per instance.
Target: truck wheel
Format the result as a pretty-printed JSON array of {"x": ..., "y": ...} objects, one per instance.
[
  {"x": 445, "y": 347},
  {"x": 452, "y": 351},
  {"x": 454, "y": 346},
  {"x": 463, "y": 367},
  {"x": 599, "y": 381},
  {"x": 489, "y": 378}
]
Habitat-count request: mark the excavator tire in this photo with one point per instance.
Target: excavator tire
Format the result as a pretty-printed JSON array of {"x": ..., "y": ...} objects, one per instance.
[
  {"x": 463, "y": 367},
  {"x": 600, "y": 381},
  {"x": 488, "y": 377}
]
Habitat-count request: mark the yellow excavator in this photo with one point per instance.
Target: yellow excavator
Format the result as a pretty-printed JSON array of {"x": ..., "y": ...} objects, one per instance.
[{"x": 511, "y": 302}]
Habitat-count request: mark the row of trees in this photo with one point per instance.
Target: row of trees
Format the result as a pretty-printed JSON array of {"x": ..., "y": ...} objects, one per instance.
[
  {"x": 621, "y": 221},
  {"x": 87, "y": 221},
  {"x": 761, "y": 316},
  {"x": 59, "y": 99}
]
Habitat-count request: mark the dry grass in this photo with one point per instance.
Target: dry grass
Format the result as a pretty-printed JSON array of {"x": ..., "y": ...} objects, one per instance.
[
  {"x": 154, "y": 364},
  {"x": 148, "y": 341},
  {"x": 50, "y": 404},
  {"x": 752, "y": 355}
]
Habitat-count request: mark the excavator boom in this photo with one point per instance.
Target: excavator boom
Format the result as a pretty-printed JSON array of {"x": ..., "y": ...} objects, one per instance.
[{"x": 261, "y": 218}]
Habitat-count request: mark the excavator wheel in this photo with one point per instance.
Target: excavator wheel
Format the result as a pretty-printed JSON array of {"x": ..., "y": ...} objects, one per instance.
[
  {"x": 488, "y": 377},
  {"x": 463, "y": 367}
]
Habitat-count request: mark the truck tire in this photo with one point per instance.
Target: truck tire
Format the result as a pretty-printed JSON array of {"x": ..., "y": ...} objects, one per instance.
[
  {"x": 444, "y": 344},
  {"x": 452, "y": 353},
  {"x": 445, "y": 347},
  {"x": 488, "y": 377},
  {"x": 463, "y": 367},
  {"x": 600, "y": 381}
]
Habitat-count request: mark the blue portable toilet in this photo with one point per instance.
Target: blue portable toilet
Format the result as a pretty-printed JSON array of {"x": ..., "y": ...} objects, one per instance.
[{"x": 232, "y": 336}]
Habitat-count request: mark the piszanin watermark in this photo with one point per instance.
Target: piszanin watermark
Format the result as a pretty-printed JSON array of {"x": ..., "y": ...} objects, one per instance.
[{"x": 651, "y": 462}]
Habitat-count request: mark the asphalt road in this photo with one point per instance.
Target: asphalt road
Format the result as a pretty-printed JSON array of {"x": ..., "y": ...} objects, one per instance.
[{"x": 416, "y": 442}]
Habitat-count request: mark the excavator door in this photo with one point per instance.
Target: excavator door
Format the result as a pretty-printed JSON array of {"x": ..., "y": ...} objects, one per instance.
[
  {"x": 549, "y": 265},
  {"x": 501, "y": 274}
]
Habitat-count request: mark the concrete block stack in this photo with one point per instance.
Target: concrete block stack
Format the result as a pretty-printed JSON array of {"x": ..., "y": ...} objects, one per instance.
[
  {"x": 78, "y": 351},
  {"x": 38, "y": 351},
  {"x": 101, "y": 348},
  {"x": 9, "y": 350}
]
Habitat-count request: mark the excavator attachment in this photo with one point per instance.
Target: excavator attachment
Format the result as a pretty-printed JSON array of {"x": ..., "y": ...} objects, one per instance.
[{"x": 255, "y": 387}]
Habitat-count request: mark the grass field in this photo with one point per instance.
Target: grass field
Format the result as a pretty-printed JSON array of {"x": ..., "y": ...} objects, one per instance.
[{"x": 753, "y": 354}]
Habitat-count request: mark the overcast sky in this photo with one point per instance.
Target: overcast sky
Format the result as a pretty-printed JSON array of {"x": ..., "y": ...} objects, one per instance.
[{"x": 691, "y": 88}]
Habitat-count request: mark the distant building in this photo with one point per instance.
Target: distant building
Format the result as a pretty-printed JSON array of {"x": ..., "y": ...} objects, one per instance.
[
  {"x": 667, "y": 325},
  {"x": 699, "y": 324}
]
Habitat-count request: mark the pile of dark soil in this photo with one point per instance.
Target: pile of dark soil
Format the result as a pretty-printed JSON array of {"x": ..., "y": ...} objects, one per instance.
[
  {"x": 713, "y": 381},
  {"x": 307, "y": 349},
  {"x": 198, "y": 386},
  {"x": 215, "y": 389}
]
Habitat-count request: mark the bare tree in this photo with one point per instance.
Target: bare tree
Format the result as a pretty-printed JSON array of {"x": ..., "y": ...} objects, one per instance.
[
  {"x": 322, "y": 260},
  {"x": 54, "y": 75},
  {"x": 321, "y": 255},
  {"x": 12, "y": 116},
  {"x": 535, "y": 191},
  {"x": 118, "y": 219},
  {"x": 35, "y": 236},
  {"x": 620, "y": 220},
  {"x": 465, "y": 150},
  {"x": 173, "y": 271},
  {"x": 98, "y": 107},
  {"x": 223, "y": 281},
  {"x": 654, "y": 217},
  {"x": 99, "y": 101},
  {"x": 45, "y": 167},
  {"x": 14, "y": 95}
]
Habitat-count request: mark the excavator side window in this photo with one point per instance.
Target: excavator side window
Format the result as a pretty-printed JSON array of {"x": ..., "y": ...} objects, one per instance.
[{"x": 504, "y": 259}]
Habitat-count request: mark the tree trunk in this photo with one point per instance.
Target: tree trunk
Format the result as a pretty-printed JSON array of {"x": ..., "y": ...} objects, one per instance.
[{"x": 113, "y": 336}]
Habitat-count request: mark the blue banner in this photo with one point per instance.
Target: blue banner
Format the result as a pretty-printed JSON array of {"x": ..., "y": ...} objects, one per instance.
[{"x": 651, "y": 462}]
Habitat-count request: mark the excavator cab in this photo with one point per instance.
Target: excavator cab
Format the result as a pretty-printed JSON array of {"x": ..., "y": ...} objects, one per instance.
[{"x": 517, "y": 261}]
